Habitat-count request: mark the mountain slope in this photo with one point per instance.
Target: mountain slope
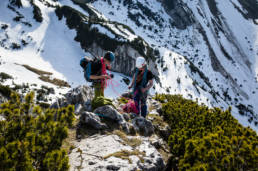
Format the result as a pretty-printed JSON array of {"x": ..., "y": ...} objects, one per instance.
[{"x": 206, "y": 50}]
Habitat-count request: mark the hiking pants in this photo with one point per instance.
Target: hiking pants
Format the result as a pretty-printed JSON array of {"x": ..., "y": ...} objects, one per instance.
[
  {"x": 140, "y": 100},
  {"x": 98, "y": 90}
]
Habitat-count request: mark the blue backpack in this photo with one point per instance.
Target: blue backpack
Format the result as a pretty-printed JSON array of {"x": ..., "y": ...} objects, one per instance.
[{"x": 85, "y": 63}]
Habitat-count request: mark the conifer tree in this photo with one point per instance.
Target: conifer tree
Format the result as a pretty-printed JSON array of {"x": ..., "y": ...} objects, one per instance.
[
  {"x": 30, "y": 137},
  {"x": 207, "y": 139}
]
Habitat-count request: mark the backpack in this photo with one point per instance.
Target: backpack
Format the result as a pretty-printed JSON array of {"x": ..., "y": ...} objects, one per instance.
[
  {"x": 85, "y": 63},
  {"x": 130, "y": 107}
]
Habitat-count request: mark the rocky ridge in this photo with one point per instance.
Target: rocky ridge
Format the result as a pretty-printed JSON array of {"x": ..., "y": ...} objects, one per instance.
[{"x": 109, "y": 139}]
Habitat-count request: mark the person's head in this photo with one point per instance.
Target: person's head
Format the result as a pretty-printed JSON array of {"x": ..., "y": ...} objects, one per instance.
[
  {"x": 140, "y": 63},
  {"x": 109, "y": 57}
]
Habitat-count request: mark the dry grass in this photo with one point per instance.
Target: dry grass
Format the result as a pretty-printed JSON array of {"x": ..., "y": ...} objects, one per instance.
[
  {"x": 44, "y": 76},
  {"x": 133, "y": 142},
  {"x": 157, "y": 120},
  {"x": 68, "y": 144},
  {"x": 54, "y": 81},
  {"x": 37, "y": 71},
  {"x": 125, "y": 154}
]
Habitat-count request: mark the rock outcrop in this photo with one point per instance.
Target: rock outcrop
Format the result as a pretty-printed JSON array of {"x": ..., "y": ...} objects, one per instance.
[
  {"x": 80, "y": 97},
  {"x": 179, "y": 12},
  {"x": 112, "y": 141},
  {"x": 125, "y": 51},
  {"x": 109, "y": 152},
  {"x": 92, "y": 120},
  {"x": 143, "y": 126},
  {"x": 111, "y": 113}
]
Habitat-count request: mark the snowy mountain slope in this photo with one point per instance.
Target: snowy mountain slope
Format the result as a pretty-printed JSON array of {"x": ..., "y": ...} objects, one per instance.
[
  {"x": 47, "y": 46},
  {"x": 222, "y": 45},
  {"x": 205, "y": 50}
]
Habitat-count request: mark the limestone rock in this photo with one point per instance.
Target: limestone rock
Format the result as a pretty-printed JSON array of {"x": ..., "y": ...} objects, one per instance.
[
  {"x": 111, "y": 113},
  {"x": 80, "y": 95},
  {"x": 105, "y": 152},
  {"x": 92, "y": 120},
  {"x": 143, "y": 126}
]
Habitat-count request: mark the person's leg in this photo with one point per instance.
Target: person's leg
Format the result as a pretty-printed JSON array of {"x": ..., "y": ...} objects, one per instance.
[
  {"x": 98, "y": 91},
  {"x": 143, "y": 100},
  {"x": 101, "y": 91},
  {"x": 137, "y": 99}
]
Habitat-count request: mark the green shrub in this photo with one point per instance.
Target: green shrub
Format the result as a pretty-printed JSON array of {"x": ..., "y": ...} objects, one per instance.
[
  {"x": 207, "y": 139},
  {"x": 5, "y": 90},
  {"x": 31, "y": 138}
]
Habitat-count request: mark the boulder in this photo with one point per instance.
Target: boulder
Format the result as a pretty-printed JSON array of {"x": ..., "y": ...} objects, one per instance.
[
  {"x": 143, "y": 126},
  {"x": 126, "y": 116},
  {"x": 80, "y": 95},
  {"x": 92, "y": 119},
  {"x": 61, "y": 102},
  {"x": 109, "y": 112},
  {"x": 78, "y": 109}
]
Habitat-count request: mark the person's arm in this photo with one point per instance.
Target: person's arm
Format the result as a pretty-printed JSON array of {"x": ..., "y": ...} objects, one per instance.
[
  {"x": 132, "y": 83},
  {"x": 150, "y": 84},
  {"x": 98, "y": 77},
  {"x": 95, "y": 67}
]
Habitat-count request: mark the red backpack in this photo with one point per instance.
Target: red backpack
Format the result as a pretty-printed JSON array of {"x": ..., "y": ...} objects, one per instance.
[{"x": 130, "y": 107}]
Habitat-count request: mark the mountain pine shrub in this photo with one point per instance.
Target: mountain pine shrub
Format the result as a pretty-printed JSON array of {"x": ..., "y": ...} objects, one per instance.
[
  {"x": 207, "y": 139},
  {"x": 31, "y": 138}
]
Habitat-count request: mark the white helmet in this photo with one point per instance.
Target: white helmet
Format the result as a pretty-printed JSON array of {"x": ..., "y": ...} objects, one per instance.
[{"x": 140, "y": 62}]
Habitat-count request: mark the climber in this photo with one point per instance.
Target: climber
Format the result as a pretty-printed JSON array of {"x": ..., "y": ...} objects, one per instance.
[
  {"x": 142, "y": 81},
  {"x": 96, "y": 73}
]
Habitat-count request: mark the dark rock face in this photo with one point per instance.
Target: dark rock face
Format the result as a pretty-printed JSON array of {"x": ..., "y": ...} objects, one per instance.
[
  {"x": 37, "y": 14},
  {"x": 251, "y": 7},
  {"x": 83, "y": 1},
  {"x": 182, "y": 17},
  {"x": 98, "y": 43},
  {"x": 125, "y": 58},
  {"x": 179, "y": 12},
  {"x": 17, "y": 3}
]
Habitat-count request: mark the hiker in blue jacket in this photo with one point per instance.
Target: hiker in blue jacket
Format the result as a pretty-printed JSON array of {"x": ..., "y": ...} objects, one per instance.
[{"x": 142, "y": 81}]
